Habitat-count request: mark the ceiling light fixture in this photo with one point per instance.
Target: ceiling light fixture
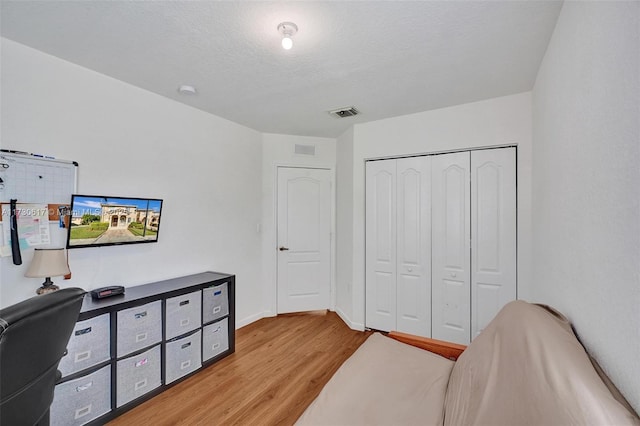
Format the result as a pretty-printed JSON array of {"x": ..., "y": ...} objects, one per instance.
[
  {"x": 187, "y": 90},
  {"x": 288, "y": 30}
]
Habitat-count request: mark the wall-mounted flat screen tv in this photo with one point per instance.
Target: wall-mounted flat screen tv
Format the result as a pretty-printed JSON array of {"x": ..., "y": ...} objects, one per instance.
[{"x": 106, "y": 221}]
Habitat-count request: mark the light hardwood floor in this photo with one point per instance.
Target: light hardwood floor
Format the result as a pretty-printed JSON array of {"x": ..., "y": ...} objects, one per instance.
[{"x": 279, "y": 367}]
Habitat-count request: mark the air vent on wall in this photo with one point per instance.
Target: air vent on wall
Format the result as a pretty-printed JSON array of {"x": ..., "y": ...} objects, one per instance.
[
  {"x": 305, "y": 149},
  {"x": 344, "y": 112}
]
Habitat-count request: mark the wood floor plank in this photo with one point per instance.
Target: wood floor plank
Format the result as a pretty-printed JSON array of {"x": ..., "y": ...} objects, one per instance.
[{"x": 279, "y": 367}]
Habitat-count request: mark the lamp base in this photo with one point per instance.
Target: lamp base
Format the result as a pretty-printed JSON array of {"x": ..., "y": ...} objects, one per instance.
[{"x": 47, "y": 287}]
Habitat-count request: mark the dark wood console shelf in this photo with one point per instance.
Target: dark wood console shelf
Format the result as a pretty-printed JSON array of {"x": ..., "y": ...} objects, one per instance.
[{"x": 127, "y": 349}]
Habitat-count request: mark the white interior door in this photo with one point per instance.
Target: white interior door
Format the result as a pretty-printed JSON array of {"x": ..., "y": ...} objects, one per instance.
[
  {"x": 413, "y": 268},
  {"x": 451, "y": 294},
  {"x": 380, "y": 257},
  {"x": 493, "y": 225},
  {"x": 304, "y": 239}
]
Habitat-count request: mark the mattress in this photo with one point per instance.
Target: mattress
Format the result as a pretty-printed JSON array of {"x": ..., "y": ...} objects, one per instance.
[{"x": 384, "y": 382}]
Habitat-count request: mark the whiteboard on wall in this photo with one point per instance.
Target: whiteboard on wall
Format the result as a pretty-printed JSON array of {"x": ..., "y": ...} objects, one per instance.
[{"x": 33, "y": 179}]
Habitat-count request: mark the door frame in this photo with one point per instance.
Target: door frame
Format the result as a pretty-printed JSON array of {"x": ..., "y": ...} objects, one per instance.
[{"x": 273, "y": 244}]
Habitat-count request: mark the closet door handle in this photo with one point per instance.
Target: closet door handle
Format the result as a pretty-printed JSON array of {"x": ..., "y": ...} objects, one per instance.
[{"x": 283, "y": 248}]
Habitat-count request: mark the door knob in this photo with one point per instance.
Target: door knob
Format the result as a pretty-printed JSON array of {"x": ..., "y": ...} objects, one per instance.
[{"x": 283, "y": 248}]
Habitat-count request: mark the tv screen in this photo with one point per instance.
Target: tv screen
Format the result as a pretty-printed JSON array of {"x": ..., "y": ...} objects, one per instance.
[{"x": 106, "y": 221}]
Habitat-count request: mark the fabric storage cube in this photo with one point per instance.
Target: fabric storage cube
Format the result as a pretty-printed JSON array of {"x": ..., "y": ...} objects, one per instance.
[
  {"x": 215, "y": 339},
  {"x": 182, "y": 356},
  {"x": 139, "y": 327},
  {"x": 215, "y": 303},
  {"x": 137, "y": 375},
  {"x": 79, "y": 401},
  {"x": 183, "y": 314},
  {"x": 89, "y": 345}
]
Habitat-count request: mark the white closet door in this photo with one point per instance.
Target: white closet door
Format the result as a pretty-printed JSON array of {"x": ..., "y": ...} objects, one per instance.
[
  {"x": 493, "y": 225},
  {"x": 451, "y": 260},
  {"x": 380, "y": 312},
  {"x": 414, "y": 246}
]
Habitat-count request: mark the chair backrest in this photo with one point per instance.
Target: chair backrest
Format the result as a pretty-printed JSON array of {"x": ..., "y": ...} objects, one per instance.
[{"x": 33, "y": 337}]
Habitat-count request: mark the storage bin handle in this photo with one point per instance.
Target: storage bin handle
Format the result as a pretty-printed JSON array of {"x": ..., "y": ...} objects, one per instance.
[
  {"x": 83, "y": 411},
  {"x": 84, "y": 387},
  {"x": 140, "y": 315},
  {"x": 184, "y": 302},
  {"x": 82, "y": 356}
]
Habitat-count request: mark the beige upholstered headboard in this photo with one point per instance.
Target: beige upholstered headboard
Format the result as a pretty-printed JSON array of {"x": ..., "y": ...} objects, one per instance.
[
  {"x": 528, "y": 367},
  {"x": 605, "y": 379}
]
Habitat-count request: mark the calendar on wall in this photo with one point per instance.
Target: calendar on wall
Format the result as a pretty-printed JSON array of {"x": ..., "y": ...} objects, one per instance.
[
  {"x": 42, "y": 187},
  {"x": 34, "y": 179}
]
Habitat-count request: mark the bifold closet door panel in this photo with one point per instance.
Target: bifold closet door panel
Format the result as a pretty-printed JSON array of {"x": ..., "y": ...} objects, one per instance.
[
  {"x": 413, "y": 246},
  {"x": 451, "y": 258},
  {"x": 380, "y": 270},
  {"x": 493, "y": 225}
]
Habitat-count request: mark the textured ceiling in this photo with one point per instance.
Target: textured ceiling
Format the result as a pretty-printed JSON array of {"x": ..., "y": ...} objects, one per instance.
[{"x": 386, "y": 58}]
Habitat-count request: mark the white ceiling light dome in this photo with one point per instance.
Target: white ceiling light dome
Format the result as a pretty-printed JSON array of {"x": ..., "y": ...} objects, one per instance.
[
  {"x": 288, "y": 30},
  {"x": 186, "y": 89}
]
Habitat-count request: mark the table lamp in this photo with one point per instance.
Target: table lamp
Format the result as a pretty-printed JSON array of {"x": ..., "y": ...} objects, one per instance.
[{"x": 48, "y": 263}]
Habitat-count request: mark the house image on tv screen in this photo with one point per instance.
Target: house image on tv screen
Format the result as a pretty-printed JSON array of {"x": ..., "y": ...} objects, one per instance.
[
  {"x": 117, "y": 216},
  {"x": 121, "y": 216},
  {"x": 108, "y": 220}
]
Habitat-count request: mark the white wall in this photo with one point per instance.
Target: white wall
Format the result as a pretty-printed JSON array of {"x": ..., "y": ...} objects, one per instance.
[
  {"x": 344, "y": 226},
  {"x": 586, "y": 197},
  {"x": 278, "y": 150},
  {"x": 499, "y": 121},
  {"x": 130, "y": 142}
]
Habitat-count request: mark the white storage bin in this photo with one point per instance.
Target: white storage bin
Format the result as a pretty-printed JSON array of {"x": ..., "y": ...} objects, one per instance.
[
  {"x": 137, "y": 375},
  {"x": 139, "y": 327},
  {"x": 183, "y": 314},
  {"x": 79, "y": 401},
  {"x": 183, "y": 356},
  {"x": 215, "y": 339},
  {"x": 215, "y": 302},
  {"x": 89, "y": 345}
]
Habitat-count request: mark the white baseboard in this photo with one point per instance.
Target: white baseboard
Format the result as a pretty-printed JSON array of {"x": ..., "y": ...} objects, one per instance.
[
  {"x": 352, "y": 325},
  {"x": 251, "y": 318},
  {"x": 265, "y": 314}
]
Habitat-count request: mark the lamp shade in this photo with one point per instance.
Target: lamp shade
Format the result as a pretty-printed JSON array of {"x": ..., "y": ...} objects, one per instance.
[{"x": 48, "y": 263}]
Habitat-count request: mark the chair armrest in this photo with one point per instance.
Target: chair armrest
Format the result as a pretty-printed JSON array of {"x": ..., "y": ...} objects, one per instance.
[{"x": 448, "y": 350}]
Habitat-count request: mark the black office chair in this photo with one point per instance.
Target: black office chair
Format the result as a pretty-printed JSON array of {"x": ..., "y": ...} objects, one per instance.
[{"x": 33, "y": 337}]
